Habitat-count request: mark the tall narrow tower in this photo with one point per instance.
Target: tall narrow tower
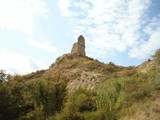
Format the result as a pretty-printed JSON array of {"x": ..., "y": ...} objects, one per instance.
[{"x": 79, "y": 47}]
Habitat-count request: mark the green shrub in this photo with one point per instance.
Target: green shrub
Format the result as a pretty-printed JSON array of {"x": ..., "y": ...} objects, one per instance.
[
  {"x": 77, "y": 104},
  {"x": 156, "y": 56},
  {"x": 36, "y": 114},
  {"x": 110, "y": 98},
  {"x": 32, "y": 99}
]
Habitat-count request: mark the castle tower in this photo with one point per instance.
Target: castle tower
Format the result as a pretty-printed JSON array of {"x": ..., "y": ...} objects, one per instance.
[{"x": 79, "y": 47}]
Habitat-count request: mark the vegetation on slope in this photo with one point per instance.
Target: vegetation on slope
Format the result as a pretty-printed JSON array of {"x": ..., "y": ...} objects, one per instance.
[{"x": 124, "y": 94}]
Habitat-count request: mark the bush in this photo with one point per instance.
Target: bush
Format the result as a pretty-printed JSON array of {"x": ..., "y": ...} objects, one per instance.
[
  {"x": 36, "y": 114},
  {"x": 156, "y": 56},
  {"x": 110, "y": 98},
  {"x": 77, "y": 104},
  {"x": 29, "y": 100}
]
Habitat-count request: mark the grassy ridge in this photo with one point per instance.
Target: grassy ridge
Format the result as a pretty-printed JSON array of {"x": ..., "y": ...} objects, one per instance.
[{"x": 121, "y": 95}]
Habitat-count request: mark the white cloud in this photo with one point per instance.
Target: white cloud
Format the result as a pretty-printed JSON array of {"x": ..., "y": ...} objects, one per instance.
[
  {"x": 18, "y": 15},
  {"x": 113, "y": 26},
  {"x": 149, "y": 46},
  {"x": 64, "y": 7},
  {"x": 18, "y": 63},
  {"x": 45, "y": 45}
]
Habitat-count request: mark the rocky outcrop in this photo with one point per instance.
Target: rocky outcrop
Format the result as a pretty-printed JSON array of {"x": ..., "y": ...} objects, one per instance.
[
  {"x": 79, "y": 47},
  {"x": 146, "y": 66},
  {"x": 78, "y": 50},
  {"x": 65, "y": 56}
]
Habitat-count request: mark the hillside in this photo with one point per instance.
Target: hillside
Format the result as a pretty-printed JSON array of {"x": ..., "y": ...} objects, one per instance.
[
  {"x": 77, "y": 87},
  {"x": 78, "y": 71}
]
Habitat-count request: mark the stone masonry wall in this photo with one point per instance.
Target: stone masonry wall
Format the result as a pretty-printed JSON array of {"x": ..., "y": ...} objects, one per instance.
[{"x": 79, "y": 47}]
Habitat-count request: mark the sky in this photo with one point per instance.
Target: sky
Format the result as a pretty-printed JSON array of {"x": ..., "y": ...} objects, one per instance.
[{"x": 33, "y": 33}]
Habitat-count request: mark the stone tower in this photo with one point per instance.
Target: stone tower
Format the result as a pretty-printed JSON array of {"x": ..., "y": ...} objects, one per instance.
[{"x": 79, "y": 47}]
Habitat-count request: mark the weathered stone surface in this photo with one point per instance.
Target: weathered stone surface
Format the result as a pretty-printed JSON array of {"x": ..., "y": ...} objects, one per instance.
[
  {"x": 61, "y": 58},
  {"x": 64, "y": 57},
  {"x": 79, "y": 47}
]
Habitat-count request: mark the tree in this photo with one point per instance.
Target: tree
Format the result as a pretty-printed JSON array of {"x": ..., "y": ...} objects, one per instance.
[
  {"x": 156, "y": 56},
  {"x": 4, "y": 77}
]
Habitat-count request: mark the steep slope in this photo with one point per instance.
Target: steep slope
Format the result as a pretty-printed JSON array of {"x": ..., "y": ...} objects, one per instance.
[
  {"x": 94, "y": 90},
  {"x": 146, "y": 66},
  {"x": 80, "y": 71},
  {"x": 143, "y": 97}
]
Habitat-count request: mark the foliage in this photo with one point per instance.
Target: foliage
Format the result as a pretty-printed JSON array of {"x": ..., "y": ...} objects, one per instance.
[
  {"x": 77, "y": 104},
  {"x": 110, "y": 98},
  {"x": 45, "y": 98},
  {"x": 101, "y": 103},
  {"x": 41, "y": 99},
  {"x": 4, "y": 77},
  {"x": 29, "y": 100},
  {"x": 156, "y": 56}
]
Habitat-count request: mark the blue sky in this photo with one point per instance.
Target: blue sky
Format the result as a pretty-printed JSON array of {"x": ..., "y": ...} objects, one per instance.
[{"x": 33, "y": 33}]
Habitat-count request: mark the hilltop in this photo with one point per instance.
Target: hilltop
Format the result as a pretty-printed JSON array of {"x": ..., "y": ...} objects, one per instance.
[{"x": 77, "y": 87}]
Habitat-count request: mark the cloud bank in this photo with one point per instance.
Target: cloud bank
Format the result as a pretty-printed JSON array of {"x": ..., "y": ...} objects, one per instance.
[
  {"x": 114, "y": 26},
  {"x": 18, "y": 15},
  {"x": 47, "y": 46},
  {"x": 18, "y": 63}
]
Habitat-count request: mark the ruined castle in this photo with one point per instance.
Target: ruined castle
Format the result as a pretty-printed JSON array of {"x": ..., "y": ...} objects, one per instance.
[
  {"x": 79, "y": 46},
  {"x": 78, "y": 49}
]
